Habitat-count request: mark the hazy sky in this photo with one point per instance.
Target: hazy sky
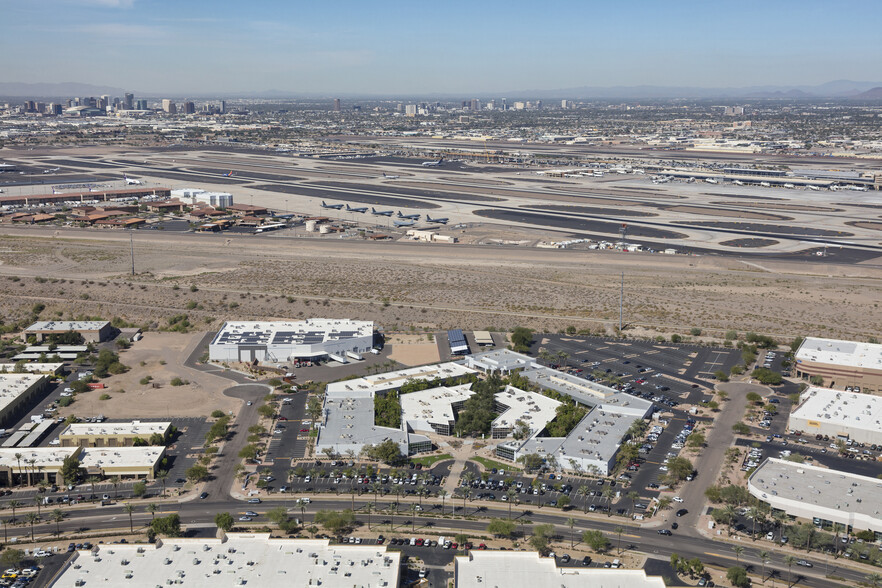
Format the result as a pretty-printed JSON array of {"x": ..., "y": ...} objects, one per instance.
[{"x": 440, "y": 46}]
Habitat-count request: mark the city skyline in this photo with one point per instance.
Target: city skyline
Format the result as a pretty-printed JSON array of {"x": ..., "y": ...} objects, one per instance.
[{"x": 199, "y": 48}]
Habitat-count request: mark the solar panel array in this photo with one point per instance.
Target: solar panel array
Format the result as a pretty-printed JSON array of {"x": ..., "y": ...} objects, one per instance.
[{"x": 458, "y": 344}]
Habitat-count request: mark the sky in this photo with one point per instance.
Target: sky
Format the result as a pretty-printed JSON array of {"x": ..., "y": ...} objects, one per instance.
[{"x": 482, "y": 47}]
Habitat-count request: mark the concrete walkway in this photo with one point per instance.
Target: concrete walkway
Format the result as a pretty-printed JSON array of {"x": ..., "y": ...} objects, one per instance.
[{"x": 460, "y": 456}]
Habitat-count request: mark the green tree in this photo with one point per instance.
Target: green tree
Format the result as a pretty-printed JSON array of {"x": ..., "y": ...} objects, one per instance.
[
  {"x": 152, "y": 508},
  {"x": 70, "y": 469},
  {"x": 501, "y": 528},
  {"x": 139, "y": 489},
  {"x": 58, "y": 516},
  {"x": 387, "y": 451},
  {"x": 521, "y": 339},
  {"x": 266, "y": 411},
  {"x": 334, "y": 521},
  {"x": 32, "y": 518},
  {"x": 541, "y": 538},
  {"x": 596, "y": 540},
  {"x": 170, "y": 525},
  {"x": 129, "y": 510},
  {"x": 197, "y": 473},
  {"x": 738, "y": 577},
  {"x": 11, "y": 558}
]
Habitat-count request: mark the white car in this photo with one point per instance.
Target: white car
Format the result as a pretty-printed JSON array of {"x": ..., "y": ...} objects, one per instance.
[
  {"x": 66, "y": 394},
  {"x": 677, "y": 499}
]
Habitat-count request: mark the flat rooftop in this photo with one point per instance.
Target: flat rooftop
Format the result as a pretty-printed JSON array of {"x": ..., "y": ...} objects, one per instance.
[
  {"x": 393, "y": 380},
  {"x": 435, "y": 405},
  {"x": 819, "y": 489},
  {"x": 349, "y": 424},
  {"x": 582, "y": 390},
  {"x": 846, "y": 409},
  {"x": 14, "y": 385},
  {"x": 241, "y": 559},
  {"x": 48, "y": 458},
  {"x": 530, "y": 407},
  {"x": 121, "y": 457},
  {"x": 65, "y": 326},
  {"x": 307, "y": 332},
  {"x": 516, "y": 569},
  {"x": 138, "y": 428},
  {"x": 33, "y": 367},
  {"x": 836, "y": 352}
]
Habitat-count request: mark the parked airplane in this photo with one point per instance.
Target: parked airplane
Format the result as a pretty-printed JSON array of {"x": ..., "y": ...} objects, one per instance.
[
  {"x": 710, "y": 180},
  {"x": 738, "y": 183},
  {"x": 390, "y": 177},
  {"x": 415, "y": 217},
  {"x": 433, "y": 163},
  {"x": 443, "y": 221},
  {"x": 765, "y": 184},
  {"x": 332, "y": 206},
  {"x": 403, "y": 223},
  {"x": 229, "y": 174},
  {"x": 789, "y": 186},
  {"x": 361, "y": 209},
  {"x": 813, "y": 188},
  {"x": 381, "y": 212},
  {"x": 131, "y": 181}
]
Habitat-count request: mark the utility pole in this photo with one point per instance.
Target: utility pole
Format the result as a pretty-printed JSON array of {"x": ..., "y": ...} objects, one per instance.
[
  {"x": 621, "y": 302},
  {"x": 132, "y": 244}
]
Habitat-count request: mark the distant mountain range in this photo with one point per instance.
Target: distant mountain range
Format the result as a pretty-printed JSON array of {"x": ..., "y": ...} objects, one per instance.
[{"x": 842, "y": 89}]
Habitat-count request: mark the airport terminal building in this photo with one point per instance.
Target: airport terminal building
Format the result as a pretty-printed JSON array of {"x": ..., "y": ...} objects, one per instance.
[
  {"x": 841, "y": 363},
  {"x": 839, "y": 415},
  {"x": 825, "y": 496},
  {"x": 280, "y": 341}
]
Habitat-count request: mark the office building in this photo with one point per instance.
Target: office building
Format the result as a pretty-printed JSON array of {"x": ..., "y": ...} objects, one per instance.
[
  {"x": 527, "y": 569},
  {"x": 839, "y": 415},
  {"x": 188, "y": 108},
  {"x": 234, "y": 559},
  {"x": 410, "y": 110},
  {"x": 18, "y": 393},
  {"x": 104, "y": 434},
  {"x": 336, "y": 105},
  {"x": 279, "y": 341},
  {"x": 91, "y": 331},
  {"x": 141, "y": 105},
  {"x": 169, "y": 107},
  {"x": 840, "y": 363},
  {"x": 824, "y": 496},
  {"x": 128, "y": 101}
]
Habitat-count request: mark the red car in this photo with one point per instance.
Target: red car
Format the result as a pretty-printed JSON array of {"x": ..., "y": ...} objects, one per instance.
[
  {"x": 419, "y": 542},
  {"x": 482, "y": 546},
  {"x": 283, "y": 418},
  {"x": 454, "y": 546},
  {"x": 304, "y": 430}
]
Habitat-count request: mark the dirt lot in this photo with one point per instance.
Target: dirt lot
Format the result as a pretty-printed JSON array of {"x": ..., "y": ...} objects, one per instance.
[
  {"x": 413, "y": 349},
  {"x": 210, "y": 278},
  {"x": 161, "y": 356}
]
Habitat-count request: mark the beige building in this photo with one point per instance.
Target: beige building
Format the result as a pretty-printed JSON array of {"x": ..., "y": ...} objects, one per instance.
[
  {"x": 125, "y": 462},
  {"x": 112, "y": 434},
  {"x": 841, "y": 363},
  {"x": 17, "y": 393},
  {"x": 92, "y": 331},
  {"x": 33, "y": 465}
]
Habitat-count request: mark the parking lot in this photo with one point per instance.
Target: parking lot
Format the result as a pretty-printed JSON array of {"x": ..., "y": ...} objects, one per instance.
[{"x": 292, "y": 439}]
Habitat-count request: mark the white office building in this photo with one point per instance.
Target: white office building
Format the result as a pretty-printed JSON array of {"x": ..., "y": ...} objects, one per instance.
[
  {"x": 838, "y": 414},
  {"x": 195, "y": 195},
  {"x": 279, "y": 341}
]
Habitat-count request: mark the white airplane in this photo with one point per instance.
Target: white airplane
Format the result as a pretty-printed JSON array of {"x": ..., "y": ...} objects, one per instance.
[
  {"x": 403, "y": 223},
  {"x": 332, "y": 206},
  {"x": 710, "y": 181},
  {"x": 381, "y": 212},
  {"x": 131, "y": 181},
  {"x": 361, "y": 209},
  {"x": 765, "y": 184},
  {"x": 415, "y": 217},
  {"x": 443, "y": 221},
  {"x": 390, "y": 177},
  {"x": 433, "y": 163},
  {"x": 857, "y": 188},
  {"x": 789, "y": 186},
  {"x": 738, "y": 183},
  {"x": 813, "y": 188}
]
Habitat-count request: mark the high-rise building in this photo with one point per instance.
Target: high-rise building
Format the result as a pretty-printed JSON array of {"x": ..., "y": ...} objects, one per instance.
[
  {"x": 223, "y": 106},
  {"x": 128, "y": 101},
  {"x": 54, "y": 109},
  {"x": 141, "y": 104},
  {"x": 504, "y": 105},
  {"x": 336, "y": 105},
  {"x": 169, "y": 106},
  {"x": 410, "y": 110},
  {"x": 189, "y": 108},
  {"x": 475, "y": 105}
]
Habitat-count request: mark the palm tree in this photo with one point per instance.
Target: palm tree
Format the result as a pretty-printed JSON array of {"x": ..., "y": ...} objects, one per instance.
[
  {"x": 738, "y": 551},
  {"x": 129, "y": 509},
  {"x": 32, "y": 518},
  {"x": 583, "y": 492},
  {"x": 789, "y": 560},
  {"x": 413, "y": 511},
  {"x": 662, "y": 504},
  {"x": 874, "y": 579},
  {"x": 633, "y": 496},
  {"x": 764, "y": 559},
  {"x": 562, "y": 356},
  {"x": 572, "y": 523},
  {"x": 152, "y": 508},
  {"x": 115, "y": 482},
  {"x": 377, "y": 488},
  {"x": 57, "y": 516},
  {"x": 14, "y": 504},
  {"x": 18, "y": 457},
  {"x": 619, "y": 530},
  {"x": 729, "y": 513},
  {"x": 510, "y": 494},
  {"x": 93, "y": 479},
  {"x": 442, "y": 494},
  {"x": 162, "y": 476},
  {"x": 608, "y": 493},
  {"x": 5, "y": 536},
  {"x": 754, "y": 513},
  {"x": 33, "y": 463},
  {"x": 38, "y": 501}
]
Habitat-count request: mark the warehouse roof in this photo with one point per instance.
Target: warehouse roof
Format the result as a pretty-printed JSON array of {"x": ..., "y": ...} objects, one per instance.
[
  {"x": 846, "y": 353},
  {"x": 435, "y": 405},
  {"x": 515, "y": 569},
  {"x": 530, "y": 407},
  {"x": 238, "y": 559},
  {"x": 306, "y": 332},
  {"x": 47, "y": 458},
  {"x": 819, "y": 488},
  {"x": 33, "y": 368},
  {"x": 64, "y": 326},
  {"x": 121, "y": 457},
  {"x": 139, "y": 428},
  {"x": 349, "y": 424},
  {"x": 847, "y": 409},
  {"x": 14, "y": 385},
  {"x": 393, "y": 380}
]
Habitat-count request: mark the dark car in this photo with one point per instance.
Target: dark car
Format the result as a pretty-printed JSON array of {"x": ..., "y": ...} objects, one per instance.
[
  {"x": 586, "y": 561},
  {"x": 664, "y": 532},
  {"x": 204, "y": 495},
  {"x": 674, "y": 525},
  {"x": 682, "y": 512}
]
